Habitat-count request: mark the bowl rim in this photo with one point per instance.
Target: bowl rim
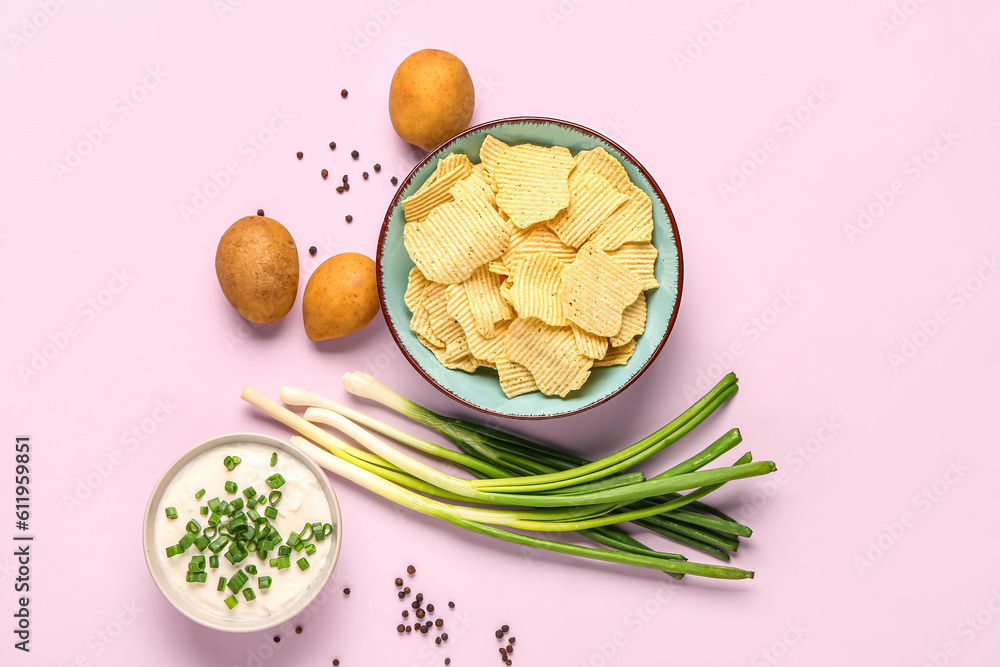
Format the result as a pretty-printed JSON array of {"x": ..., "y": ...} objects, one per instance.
[
  {"x": 397, "y": 198},
  {"x": 175, "y": 599}
]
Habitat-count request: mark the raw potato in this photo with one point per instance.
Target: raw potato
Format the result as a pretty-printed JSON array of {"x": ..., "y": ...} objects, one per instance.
[
  {"x": 431, "y": 98},
  {"x": 258, "y": 268},
  {"x": 340, "y": 297}
]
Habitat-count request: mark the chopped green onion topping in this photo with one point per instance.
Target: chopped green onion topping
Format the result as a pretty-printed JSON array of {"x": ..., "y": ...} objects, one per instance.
[
  {"x": 204, "y": 510},
  {"x": 171, "y": 512},
  {"x": 280, "y": 563},
  {"x": 222, "y": 584},
  {"x": 214, "y": 519},
  {"x": 231, "y": 601},
  {"x": 249, "y": 594},
  {"x": 214, "y": 503},
  {"x": 229, "y": 462},
  {"x": 201, "y": 542},
  {"x": 274, "y": 459},
  {"x": 237, "y": 580},
  {"x": 284, "y": 550},
  {"x": 310, "y": 549},
  {"x": 263, "y": 582},
  {"x": 306, "y": 533},
  {"x": 303, "y": 563},
  {"x": 186, "y": 541},
  {"x": 256, "y": 518},
  {"x": 271, "y": 513},
  {"x": 193, "y": 527},
  {"x": 274, "y": 497},
  {"x": 199, "y": 494},
  {"x": 250, "y": 492},
  {"x": 231, "y": 487},
  {"x": 236, "y": 505},
  {"x": 327, "y": 529},
  {"x": 213, "y": 561},
  {"x": 174, "y": 550},
  {"x": 197, "y": 577},
  {"x": 293, "y": 539},
  {"x": 197, "y": 563},
  {"x": 251, "y": 569},
  {"x": 219, "y": 544},
  {"x": 275, "y": 481},
  {"x": 236, "y": 553}
]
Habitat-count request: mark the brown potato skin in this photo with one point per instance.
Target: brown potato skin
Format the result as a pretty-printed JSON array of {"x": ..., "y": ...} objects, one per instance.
[
  {"x": 431, "y": 98},
  {"x": 258, "y": 268},
  {"x": 340, "y": 298}
]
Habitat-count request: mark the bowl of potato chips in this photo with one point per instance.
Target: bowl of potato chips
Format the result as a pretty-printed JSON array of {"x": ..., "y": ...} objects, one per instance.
[{"x": 530, "y": 268}]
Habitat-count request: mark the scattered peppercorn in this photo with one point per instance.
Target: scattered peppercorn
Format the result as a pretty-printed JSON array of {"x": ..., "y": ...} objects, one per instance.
[
  {"x": 444, "y": 636},
  {"x": 406, "y": 590},
  {"x": 506, "y": 662},
  {"x": 420, "y": 597},
  {"x": 423, "y": 629},
  {"x": 344, "y": 178},
  {"x": 420, "y": 613},
  {"x": 393, "y": 180},
  {"x": 340, "y": 188},
  {"x": 499, "y": 634},
  {"x": 447, "y": 661},
  {"x": 439, "y": 622},
  {"x": 299, "y": 155},
  {"x": 377, "y": 167},
  {"x": 451, "y": 604},
  {"x": 401, "y": 595},
  {"x": 349, "y": 218},
  {"x": 415, "y": 604},
  {"x": 512, "y": 640},
  {"x": 298, "y": 630},
  {"x": 410, "y": 569},
  {"x": 333, "y": 145},
  {"x": 437, "y": 640},
  {"x": 430, "y": 608},
  {"x": 347, "y": 591},
  {"x": 260, "y": 211},
  {"x": 409, "y": 628},
  {"x": 355, "y": 154},
  {"x": 335, "y": 662},
  {"x": 510, "y": 649},
  {"x": 312, "y": 250},
  {"x": 347, "y": 186},
  {"x": 277, "y": 639},
  {"x": 505, "y": 628},
  {"x": 399, "y": 581},
  {"x": 364, "y": 175},
  {"x": 405, "y": 613},
  {"x": 400, "y": 628},
  {"x": 324, "y": 174},
  {"x": 343, "y": 93}
]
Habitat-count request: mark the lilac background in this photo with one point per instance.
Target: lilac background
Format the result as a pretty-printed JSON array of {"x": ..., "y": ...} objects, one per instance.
[{"x": 872, "y": 547}]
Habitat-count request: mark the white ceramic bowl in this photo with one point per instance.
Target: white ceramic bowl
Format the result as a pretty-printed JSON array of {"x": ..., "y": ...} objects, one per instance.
[{"x": 199, "y": 615}]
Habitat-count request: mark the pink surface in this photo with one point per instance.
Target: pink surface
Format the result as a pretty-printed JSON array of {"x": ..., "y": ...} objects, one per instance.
[{"x": 867, "y": 350}]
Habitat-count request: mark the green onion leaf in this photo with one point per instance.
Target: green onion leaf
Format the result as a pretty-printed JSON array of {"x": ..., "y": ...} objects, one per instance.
[
  {"x": 213, "y": 561},
  {"x": 251, "y": 569},
  {"x": 231, "y": 601},
  {"x": 202, "y": 542},
  {"x": 193, "y": 527},
  {"x": 263, "y": 582},
  {"x": 284, "y": 550},
  {"x": 231, "y": 487},
  {"x": 274, "y": 497},
  {"x": 237, "y": 580},
  {"x": 236, "y": 553},
  {"x": 204, "y": 510},
  {"x": 186, "y": 541},
  {"x": 222, "y": 584},
  {"x": 249, "y": 594},
  {"x": 174, "y": 550},
  {"x": 275, "y": 481},
  {"x": 274, "y": 459},
  {"x": 310, "y": 549},
  {"x": 303, "y": 563},
  {"x": 198, "y": 494},
  {"x": 250, "y": 493},
  {"x": 219, "y": 544},
  {"x": 270, "y": 513},
  {"x": 171, "y": 512},
  {"x": 197, "y": 577}
]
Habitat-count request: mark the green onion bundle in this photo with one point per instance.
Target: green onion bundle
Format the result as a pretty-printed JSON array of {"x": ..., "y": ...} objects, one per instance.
[{"x": 531, "y": 487}]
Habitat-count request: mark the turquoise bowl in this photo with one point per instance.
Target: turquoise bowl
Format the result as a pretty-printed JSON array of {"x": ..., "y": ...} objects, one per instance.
[{"x": 481, "y": 390}]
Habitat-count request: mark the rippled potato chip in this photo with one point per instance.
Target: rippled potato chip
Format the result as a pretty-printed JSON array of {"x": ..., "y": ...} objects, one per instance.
[
  {"x": 550, "y": 353},
  {"x": 601, "y": 162},
  {"x": 632, "y": 222},
  {"x": 483, "y": 349},
  {"x": 515, "y": 379},
  {"x": 483, "y": 291},
  {"x": 537, "y": 239},
  {"x": 536, "y": 288},
  {"x": 532, "y": 182},
  {"x": 436, "y": 189},
  {"x": 592, "y": 199},
  {"x": 640, "y": 260},
  {"x": 415, "y": 285},
  {"x": 489, "y": 151},
  {"x": 589, "y": 345},
  {"x": 633, "y": 322},
  {"x": 455, "y": 239},
  {"x": 595, "y": 291},
  {"x": 617, "y": 356}
]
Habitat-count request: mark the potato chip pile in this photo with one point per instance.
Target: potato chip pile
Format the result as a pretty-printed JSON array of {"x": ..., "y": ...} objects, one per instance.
[{"x": 533, "y": 262}]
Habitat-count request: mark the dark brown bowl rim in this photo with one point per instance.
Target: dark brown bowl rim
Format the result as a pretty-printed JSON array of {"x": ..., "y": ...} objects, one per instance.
[{"x": 504, "y": 121}]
